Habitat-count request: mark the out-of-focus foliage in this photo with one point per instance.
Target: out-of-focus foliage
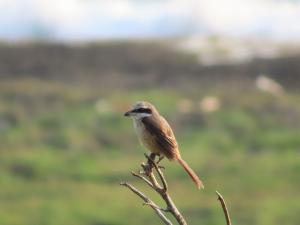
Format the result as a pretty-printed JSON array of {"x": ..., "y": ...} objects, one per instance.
[{"x": 64, "y": 148}]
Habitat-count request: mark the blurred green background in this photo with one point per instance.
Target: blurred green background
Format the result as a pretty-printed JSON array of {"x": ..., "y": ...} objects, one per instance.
[{"x": 65, "y": 145}]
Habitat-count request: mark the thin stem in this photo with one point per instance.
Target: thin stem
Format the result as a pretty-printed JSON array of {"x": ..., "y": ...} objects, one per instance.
[
  {"x": 142, "y": 178},
  {"x": 225, "y": 210},
  {"x": 148, "y": 202},
  {"x": 162, "y": 191}
]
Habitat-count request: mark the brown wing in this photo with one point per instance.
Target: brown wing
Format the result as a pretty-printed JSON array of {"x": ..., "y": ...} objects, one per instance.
[{"x": 163, "y": 135}]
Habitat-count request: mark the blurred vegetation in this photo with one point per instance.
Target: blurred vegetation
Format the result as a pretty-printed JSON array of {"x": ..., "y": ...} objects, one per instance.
[{"x": 64, "y": 149}]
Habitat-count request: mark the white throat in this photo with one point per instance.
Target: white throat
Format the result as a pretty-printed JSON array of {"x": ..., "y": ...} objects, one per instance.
[{"x": 139, "y": 128}]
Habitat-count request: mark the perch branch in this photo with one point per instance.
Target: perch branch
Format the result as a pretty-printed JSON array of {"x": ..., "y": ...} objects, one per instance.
[
  {"x": 142, "y": 178},
  {"x": 225, "y": 210},
  {"x": 148, "y": 201},
  {"x": 160, "y": 174},
  {"x": 148, "y": 176}
]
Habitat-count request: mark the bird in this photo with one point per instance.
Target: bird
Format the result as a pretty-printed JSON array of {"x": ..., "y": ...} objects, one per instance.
[{"x": 155, "y": 133}]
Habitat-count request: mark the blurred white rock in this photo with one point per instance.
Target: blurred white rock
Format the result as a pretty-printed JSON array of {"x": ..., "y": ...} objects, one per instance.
[
  {"x": 266, "y": 84},
  {"x": 209, "y": 104}
]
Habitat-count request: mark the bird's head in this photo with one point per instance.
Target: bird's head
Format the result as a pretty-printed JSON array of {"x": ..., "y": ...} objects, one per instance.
[{"x": 141, "y": 110}]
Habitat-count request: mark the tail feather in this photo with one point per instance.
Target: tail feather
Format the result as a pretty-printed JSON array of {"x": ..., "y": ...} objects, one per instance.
[{"x": 191, "y": 173}]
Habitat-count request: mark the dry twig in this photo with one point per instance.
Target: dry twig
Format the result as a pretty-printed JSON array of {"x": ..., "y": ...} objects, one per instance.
[
  {"x": 148, "y": 176},
  {"x": 148, "y": 201},
  {"x": 225, "y": 210}
]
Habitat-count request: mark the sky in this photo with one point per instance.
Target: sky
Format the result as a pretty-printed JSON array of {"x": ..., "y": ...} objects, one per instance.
[{"x": 84, "y": 20}]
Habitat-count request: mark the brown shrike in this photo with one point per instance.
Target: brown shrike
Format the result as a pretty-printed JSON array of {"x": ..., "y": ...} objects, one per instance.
[{"x": 155, "y": 134}]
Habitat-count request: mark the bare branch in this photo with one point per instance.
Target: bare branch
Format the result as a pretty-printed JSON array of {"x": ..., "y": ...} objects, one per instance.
[
  {"x": 160, "y": 174},
  {"x": 148, "y": 171},
  {"x": 142, "y": 178},
  {"x": 148, "y": 201},
  {"x": 151, "y": 181},
  {"x": 225, "y": 210},
  {"x": 162, "y": 209}
]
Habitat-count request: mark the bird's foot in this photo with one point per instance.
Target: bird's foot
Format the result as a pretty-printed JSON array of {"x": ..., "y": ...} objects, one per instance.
[
  {"x": 151, "y": 158},
  {"x": 151, "y": 162}
]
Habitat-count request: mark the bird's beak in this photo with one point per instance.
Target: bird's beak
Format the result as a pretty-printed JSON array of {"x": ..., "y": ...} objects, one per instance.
[{"x": 127, "y": 113}]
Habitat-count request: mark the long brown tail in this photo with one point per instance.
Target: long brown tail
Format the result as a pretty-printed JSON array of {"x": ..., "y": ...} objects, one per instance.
[{"x": 191, "y": 173}]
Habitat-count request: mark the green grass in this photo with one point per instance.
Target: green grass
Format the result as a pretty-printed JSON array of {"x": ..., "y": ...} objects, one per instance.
[{"x": 63, "y": 153}]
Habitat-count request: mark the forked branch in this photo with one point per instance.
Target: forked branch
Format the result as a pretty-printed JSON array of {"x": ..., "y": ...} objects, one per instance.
[
  {"x": 148, "y": 201},
  {"x": 147, "y": 174}
]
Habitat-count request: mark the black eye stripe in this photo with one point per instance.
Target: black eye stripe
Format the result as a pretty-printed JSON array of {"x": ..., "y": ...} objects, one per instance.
[{"x": 143, "y": 110}]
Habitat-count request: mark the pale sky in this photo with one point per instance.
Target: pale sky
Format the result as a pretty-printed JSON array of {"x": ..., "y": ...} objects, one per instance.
[{"x": 70, "y": 20}]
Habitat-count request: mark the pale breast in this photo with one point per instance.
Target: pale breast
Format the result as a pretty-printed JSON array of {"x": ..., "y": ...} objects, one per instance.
[{"x": 144, "y": 137}]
